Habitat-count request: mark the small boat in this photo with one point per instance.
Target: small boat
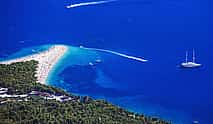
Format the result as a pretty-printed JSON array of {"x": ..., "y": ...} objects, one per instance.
[
  {"x": 91, "y": 64},
  {"x": 189, "y": 64},
  {"x": 33, "y": 50},
  {"x": 98, "y": 60},
  {"x": 81, "y": 46},
  {"x": 195, "y": 122}
]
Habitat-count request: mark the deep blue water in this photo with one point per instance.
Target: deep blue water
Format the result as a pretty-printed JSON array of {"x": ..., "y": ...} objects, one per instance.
[{"x": 160, "y": 31}]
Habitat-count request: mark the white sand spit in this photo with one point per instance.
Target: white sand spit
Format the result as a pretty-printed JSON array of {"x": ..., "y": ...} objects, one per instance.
[{"x": 47, "y": 59}]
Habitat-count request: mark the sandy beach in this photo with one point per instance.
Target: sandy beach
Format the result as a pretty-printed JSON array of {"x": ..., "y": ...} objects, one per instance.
[{"x": 47, "y": 59}]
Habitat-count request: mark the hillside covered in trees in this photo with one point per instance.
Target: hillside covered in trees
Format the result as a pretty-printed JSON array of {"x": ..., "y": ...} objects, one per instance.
[{"x": 19, "y": 78}]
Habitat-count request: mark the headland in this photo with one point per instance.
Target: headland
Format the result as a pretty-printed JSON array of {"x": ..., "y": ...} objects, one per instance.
[{"x": 47, "y": 60}]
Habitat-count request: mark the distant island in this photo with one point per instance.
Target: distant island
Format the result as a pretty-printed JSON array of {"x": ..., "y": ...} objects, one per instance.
[{"x": 25, "y": 99}]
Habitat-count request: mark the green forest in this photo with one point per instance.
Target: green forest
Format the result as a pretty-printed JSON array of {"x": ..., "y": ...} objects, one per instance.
[{"x": 20, "y": 78}]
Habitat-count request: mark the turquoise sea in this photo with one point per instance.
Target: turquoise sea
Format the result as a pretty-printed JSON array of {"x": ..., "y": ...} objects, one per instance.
[{"x": 159, "y": 31}]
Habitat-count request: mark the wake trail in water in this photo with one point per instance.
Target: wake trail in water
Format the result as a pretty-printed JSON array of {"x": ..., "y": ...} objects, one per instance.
[
  {"x": 89, "y": 3},
  {"x": 116, "y": 53}
]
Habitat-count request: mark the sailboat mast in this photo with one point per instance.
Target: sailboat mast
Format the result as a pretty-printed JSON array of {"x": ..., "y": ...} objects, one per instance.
[
  {"x": 186, "y": 56},
  {"x": 193, "y": 55}
]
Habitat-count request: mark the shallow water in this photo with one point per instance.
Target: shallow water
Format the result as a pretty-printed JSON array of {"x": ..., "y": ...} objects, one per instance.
[
  {"x": 160, "y": 31},
  {"x": 117, "y": 80}
]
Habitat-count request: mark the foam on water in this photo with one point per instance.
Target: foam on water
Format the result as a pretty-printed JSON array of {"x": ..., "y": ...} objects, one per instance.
[
  {"x": 116, "y": 53},
  {"x": 89, "y": 3},
  {"x": 104, "y": 83}
]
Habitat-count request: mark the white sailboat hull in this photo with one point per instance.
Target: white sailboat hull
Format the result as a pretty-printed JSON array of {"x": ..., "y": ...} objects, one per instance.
[{"x": 190, "y": 65}]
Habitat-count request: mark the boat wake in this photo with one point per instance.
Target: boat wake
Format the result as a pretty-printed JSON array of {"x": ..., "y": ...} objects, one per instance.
[
  {"x": 116, "y": 53},
  {"x": 89, "y": 3}
]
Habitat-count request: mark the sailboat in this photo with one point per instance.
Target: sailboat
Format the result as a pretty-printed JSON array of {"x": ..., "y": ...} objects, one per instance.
[{"x": 189, "y": 64}]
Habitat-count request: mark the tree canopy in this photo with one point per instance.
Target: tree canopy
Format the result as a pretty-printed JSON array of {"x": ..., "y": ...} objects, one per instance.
[{"x": 20, "y": 78}]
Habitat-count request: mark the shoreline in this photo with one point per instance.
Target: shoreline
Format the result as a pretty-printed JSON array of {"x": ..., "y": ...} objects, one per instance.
[
  {"x": 47, "y": 60},
  {"x": 57, "y": 67}
]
